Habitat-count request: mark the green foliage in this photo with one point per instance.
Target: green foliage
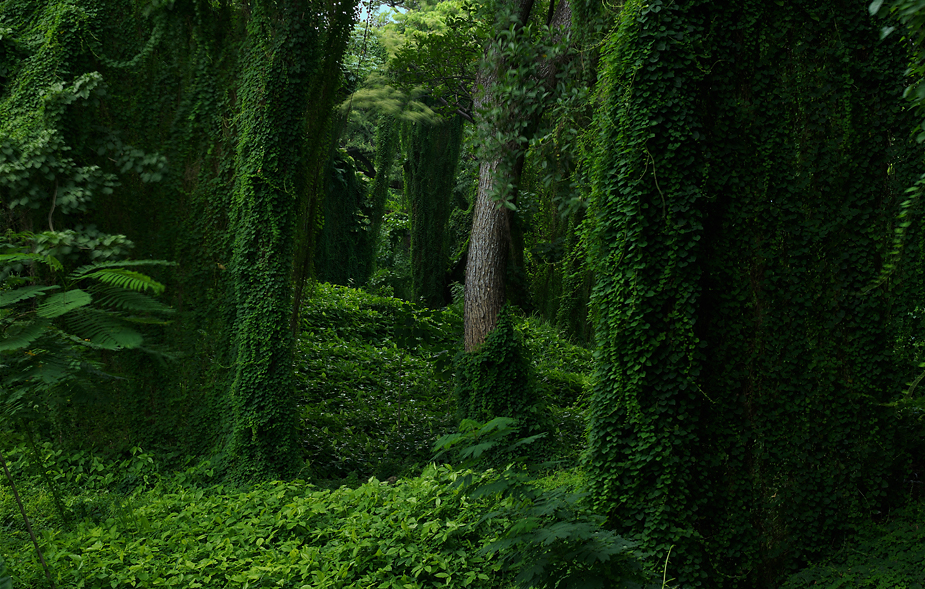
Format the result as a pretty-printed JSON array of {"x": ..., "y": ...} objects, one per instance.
[
  {"x": 498, "y": 380},
  {"x": 431, "y": 152},
  {"x": 346, "y": 243},
  {"x": 415, "y": 533},
  {"x": 747, "y": 164},
  {"x": 393, "y": 255},
  {"x": 52, "y": 341},
  {"x": 283, "y": 64},
  {"x": 370, "y": 387},
  {"x": 911, "y": 15},
  {"x": 886, "y": 555},
  {"x": 551, "y": 539}
]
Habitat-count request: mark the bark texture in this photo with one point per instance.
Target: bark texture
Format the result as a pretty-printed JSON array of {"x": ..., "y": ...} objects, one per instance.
[
  {"x": 490, "y": 241},
  {"x": 487, "y": 261}
]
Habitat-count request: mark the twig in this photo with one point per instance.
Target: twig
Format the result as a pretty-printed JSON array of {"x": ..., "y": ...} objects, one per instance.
[
  {"x": 54, "y": 199},
  {"x": 26, "y": 519}
]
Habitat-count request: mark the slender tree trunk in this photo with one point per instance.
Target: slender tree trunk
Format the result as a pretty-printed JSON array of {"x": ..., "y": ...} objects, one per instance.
[
  {"x": 487, "y": 261},
  {"x": 490, "y": 240}
]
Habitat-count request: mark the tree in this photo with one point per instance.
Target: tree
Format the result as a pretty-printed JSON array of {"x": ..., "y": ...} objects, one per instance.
[
  {"x": 283, "y": 44},
  {"x": 430, "y": 177},
  {"x": 749, "y": 157},
  {"x": 513, "y": 83}
]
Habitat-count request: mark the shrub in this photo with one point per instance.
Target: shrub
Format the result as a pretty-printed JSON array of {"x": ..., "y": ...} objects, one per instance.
[{"x": 885, "y": 556}]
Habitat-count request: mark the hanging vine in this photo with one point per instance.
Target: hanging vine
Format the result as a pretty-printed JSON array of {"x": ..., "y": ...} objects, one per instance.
[{"x": 749, "y": 156}]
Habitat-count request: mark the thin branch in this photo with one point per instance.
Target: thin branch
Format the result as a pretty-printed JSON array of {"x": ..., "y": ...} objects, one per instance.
[
  {"x": 26, "y": 519},
  {"x": 54, "y": 200}
]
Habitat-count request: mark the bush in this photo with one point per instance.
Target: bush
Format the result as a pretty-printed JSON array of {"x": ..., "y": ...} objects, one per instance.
[{"x": 890, "y": 555}]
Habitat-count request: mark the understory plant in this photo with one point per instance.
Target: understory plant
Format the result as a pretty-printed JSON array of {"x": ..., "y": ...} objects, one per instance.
[{"x": 550, "y": 538}]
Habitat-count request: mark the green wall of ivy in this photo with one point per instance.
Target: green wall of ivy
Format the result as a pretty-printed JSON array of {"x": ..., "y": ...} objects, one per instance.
[{"x": 749, "y": 167}]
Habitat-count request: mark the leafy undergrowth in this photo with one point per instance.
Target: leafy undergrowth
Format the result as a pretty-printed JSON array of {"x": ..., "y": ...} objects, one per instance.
[
  {"x": 371, "y": 375},
  {"x": 888, "y": 555},
  {"x": 374, "y": 381},
  {"x": 415, "y": 533},
  {"x": 186, "y": 529}
]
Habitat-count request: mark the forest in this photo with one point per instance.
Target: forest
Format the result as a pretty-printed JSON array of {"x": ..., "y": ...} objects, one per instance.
[{"x": 453, "y": 293}]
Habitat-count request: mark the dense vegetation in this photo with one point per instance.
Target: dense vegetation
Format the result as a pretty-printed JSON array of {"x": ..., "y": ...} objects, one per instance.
[{"x": 538, "y": 293}]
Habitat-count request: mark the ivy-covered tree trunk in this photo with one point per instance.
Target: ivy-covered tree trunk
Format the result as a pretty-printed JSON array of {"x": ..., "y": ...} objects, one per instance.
[
  {"x": 749, "y": 165},
  {"x": 284, "y": 48},
  {"x": 432, "y": 154}
]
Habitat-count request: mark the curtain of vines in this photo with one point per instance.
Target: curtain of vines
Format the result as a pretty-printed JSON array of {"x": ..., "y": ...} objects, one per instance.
[
  {"x": 194, "y": 128},
  {"x": 748, "y": 166},
  {"x": 432, "y": 152}
]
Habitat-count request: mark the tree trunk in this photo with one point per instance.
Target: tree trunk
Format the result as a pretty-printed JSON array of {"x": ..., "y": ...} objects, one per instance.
[
  {"x": 490, "y": 240},
  {"x": 487, "y": 261}
]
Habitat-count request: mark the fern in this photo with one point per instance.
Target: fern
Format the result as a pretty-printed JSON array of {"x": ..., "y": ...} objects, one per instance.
[
  {"x": 19, "y": 258},
  {"x": 103, "y": 329},
  {"x": 19, "y": 335},
  {"x": 127, "y": 300},
  {"x": 88, "y": 268},
  {"x": 21, "y": 294},
  {"x": 127, "y": 279},
  {"x": 63, "y": 302}
]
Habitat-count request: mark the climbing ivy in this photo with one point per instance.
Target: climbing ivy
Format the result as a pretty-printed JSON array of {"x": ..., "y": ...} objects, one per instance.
[
  {"x": 197, "y": 131},
  {"x": 284, "y": 50},
  {"x": 749, "y": 157},
  {"x": 497, "y": 380},
  {"x": 432, "y": 152}
]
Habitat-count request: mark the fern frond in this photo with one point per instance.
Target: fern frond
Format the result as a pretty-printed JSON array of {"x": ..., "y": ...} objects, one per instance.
[
  {"x": 83, "y": 271},
  {"x": 127, "y": 279},
  {"x": 63, "y": 302},
  {"x": 19, "y": 258},
  {"x": 128, "y": 300},
  {"x": 103, "y": 329},
  {"x": 22, "y": 293},
  {"x": 20, "y": 335}
]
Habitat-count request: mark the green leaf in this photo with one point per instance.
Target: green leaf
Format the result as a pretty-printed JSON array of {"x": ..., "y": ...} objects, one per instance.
[
  {"x": 21, "y": 335},
  {"x": 104, "y": 329},
  {"x": 875, "y": 7},
  {"x": 21, "y": 294},
  {"x": 63, "y": 302},
  {"x": 127, "y": 279}
]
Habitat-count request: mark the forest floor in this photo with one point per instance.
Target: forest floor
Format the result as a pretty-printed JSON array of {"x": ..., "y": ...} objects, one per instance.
[{"x": 372, "y": 508}]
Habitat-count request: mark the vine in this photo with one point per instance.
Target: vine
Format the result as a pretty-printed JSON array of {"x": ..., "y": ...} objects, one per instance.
[{"x": 740, "y": 372}]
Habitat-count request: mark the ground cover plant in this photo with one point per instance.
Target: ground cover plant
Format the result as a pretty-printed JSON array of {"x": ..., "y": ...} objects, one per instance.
[
  {"x": 886, "y": 555},
  {"x": 139, "y": 523}
]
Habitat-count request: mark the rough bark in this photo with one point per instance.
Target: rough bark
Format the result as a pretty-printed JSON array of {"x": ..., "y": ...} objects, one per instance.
[
  {"x": 490, "y": 240},
  {"x": 487, "y": 261}
]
